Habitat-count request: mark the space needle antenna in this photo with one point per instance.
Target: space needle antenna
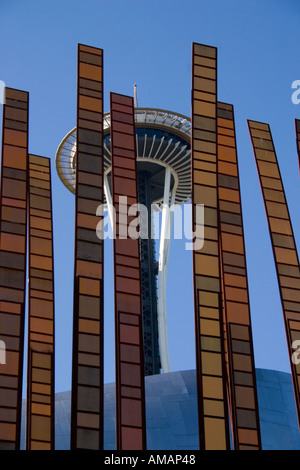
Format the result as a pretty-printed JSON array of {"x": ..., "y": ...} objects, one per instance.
[{"x": 135, "y": 95}]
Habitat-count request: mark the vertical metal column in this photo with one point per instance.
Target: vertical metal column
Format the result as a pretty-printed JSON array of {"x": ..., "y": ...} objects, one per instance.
[
  {"x": 241, "y": 367},
  {"x": 13, "y": 219},
  {"x": 210, "y": 355},
  {"x": 40, "y": 360},
  {"x": 282, "y": 239},
  {"x": 130, "y": 388},
  {"x": 87, "y": 373}
]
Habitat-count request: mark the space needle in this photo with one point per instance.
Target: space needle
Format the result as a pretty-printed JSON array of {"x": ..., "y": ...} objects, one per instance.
[{"x": 163, "y": 154}]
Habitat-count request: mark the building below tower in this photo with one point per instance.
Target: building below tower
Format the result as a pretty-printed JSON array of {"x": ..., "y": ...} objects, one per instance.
[{"x": 171, "y": 412}]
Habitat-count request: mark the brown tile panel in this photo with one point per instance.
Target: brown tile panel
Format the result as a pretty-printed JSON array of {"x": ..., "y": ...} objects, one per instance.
[
  {"x": 13, "y": 217},
  {"x": 40, "y": 359},
  {"x": 240, "y": 357},
  {"x": 87, "y": 370},
  {"x": 282, "y": 239},
  {"x": 210, "y": 354},
  {"x": 130, "y": 391}
]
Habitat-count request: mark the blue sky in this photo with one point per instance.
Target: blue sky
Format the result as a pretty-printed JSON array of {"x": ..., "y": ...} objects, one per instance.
[{"x": 149, "y": 43}]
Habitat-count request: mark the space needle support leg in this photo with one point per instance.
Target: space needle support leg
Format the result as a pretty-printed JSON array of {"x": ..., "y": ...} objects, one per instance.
[
  {"x": 162, "y": 277},
  {"x": 108, "y": 202},
  {"x": 170, "y": 223}
]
